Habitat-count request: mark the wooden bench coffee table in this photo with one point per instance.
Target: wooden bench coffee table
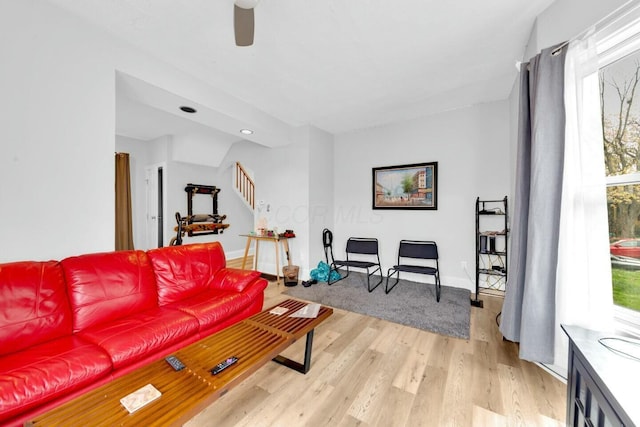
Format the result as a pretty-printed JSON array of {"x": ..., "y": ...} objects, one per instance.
[{"x": 254, "y": 341}]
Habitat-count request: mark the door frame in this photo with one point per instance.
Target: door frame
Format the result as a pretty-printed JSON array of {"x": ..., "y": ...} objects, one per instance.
[{"x": 155, "y": 205}]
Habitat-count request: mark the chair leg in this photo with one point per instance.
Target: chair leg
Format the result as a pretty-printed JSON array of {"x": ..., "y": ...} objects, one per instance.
[
  {"x": 438, "y": 287},
  {"x": 333, "y": 267},
  {"x": 390, "y": 273},
  {"x": 369, "y": 288}
]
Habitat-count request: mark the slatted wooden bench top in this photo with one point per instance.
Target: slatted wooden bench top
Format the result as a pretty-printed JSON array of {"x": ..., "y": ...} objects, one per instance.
[{"x": 254, "y": 341}]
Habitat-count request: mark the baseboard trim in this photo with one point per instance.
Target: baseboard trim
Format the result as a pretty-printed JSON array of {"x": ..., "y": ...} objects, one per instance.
[{"x": 238, "y": 254}]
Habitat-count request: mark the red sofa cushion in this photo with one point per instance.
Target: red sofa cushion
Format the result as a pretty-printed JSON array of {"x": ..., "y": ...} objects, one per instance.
[
  {"x": 33, "y": 305},
  {"x": 107, "y": 286},
  {"x": 213, "y": 306},
  {"x": 187, "y": 270},
  {"x": 136, "y": 336},
  {"x": 46, "y": 371}
]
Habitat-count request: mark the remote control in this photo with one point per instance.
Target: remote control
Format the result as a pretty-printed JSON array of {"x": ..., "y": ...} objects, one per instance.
[
  {"x": 175, "y": 363},
  {"x": 224, "y": 365}
]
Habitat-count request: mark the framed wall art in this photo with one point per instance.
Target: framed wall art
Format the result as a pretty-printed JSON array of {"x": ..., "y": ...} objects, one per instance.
[{"x": 412, "y": 186}]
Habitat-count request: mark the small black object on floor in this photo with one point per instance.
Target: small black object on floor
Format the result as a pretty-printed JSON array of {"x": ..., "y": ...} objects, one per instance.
[{"x": 307, "y": 283}]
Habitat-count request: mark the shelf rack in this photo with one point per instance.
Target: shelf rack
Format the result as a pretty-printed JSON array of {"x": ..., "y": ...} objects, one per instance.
[{"x": 491, "y": 248}]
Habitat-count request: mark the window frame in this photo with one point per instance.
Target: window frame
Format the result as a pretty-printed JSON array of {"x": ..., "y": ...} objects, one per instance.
[
  {"x": 626, "y": 321},
  {"x": 614, "y": 42}
]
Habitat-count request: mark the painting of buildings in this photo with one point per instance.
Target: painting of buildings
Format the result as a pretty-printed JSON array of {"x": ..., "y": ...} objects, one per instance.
[{"x": 405, "y": 187}]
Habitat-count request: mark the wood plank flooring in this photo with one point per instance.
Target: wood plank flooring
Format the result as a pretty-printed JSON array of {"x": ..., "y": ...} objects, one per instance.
[
  {"x": 237, "y": 262},
  {"x": 370, "y": 372}
]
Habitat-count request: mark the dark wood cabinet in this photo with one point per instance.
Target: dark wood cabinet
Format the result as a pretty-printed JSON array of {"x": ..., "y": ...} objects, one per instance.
[{"x": 602, "y": 387}]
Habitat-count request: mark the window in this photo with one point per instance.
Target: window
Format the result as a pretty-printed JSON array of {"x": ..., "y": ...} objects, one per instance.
[{"x": 620, "y": 102}]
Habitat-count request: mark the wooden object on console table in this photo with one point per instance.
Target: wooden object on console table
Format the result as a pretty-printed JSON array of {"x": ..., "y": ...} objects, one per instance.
[
  {"x": 276, "y": 239},
  {"x": 602, "y": 388}
]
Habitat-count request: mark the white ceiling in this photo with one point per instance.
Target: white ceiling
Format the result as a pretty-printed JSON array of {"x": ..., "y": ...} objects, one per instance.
[{"x": 338, "y": 65}]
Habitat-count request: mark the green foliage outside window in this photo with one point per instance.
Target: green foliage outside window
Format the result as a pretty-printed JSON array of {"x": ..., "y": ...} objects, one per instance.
[
  {"x": 619, "y": 83},
  {"x": 626, "y": 292}
]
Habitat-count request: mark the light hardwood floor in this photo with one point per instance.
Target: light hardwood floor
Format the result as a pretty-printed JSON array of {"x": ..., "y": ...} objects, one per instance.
[{"x": 370, "y": 372}]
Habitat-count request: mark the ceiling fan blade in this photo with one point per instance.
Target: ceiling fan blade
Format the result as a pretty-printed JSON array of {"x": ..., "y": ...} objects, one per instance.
[{"x": 243, "y": 25}]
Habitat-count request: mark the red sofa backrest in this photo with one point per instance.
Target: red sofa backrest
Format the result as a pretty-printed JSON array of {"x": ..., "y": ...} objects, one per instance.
[
  {"x": 108, "y": 286},
  {"x": 33, "y": 304},
  {"x": 184, "y": 271}
]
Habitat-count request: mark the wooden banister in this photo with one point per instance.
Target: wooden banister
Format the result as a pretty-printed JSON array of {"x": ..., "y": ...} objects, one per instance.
[{"x": 244, "y": 185}]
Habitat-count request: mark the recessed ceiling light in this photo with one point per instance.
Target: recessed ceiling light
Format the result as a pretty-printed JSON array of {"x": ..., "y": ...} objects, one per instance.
[
  {"x": 246, "y": 131},
  {"x": 187, "y": 109}
]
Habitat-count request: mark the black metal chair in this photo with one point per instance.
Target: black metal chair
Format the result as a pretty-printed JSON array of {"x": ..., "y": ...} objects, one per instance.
[
  {"x": 365, "y": 249},
  {"x": 423, "y": 259}
]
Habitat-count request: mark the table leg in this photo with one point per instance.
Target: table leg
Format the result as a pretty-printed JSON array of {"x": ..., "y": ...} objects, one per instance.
[
  {"x": 246, "y": 252},
  {"x": 277, "y": 261},
  {"x": 255, "y": 256},
  {"x": 285, "y": 245},
  {"x": 296, "y": 366}
]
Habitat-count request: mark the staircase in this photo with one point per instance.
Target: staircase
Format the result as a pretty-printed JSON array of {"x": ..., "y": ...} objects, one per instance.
[{"x": 244, "y": 186}]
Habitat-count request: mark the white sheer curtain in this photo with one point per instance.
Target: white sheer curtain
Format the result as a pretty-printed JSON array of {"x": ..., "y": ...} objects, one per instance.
[{"x": 583, "y": 277}]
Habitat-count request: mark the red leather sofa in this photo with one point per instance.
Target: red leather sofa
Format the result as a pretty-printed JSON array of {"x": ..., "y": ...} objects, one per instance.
[{"x": 69, "y": 326}]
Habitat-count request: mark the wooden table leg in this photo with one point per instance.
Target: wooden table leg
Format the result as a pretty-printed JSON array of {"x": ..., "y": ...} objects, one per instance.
[
  {"x": 277, "y": 261},
  {"x": 255, "y": 255},
  {"x": 246, "y": 252},
  {"x": 285, "y": 245}
]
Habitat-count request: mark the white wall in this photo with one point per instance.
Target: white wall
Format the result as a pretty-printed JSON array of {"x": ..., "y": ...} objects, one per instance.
[
  {"x": 282, "y": 182},
  {"x": 565, "y": 19},
  {"x": 57, "y": 120},
  {"x": 471, "y": 148},
  {"x": 321, "y": 185},
  {"x": 57, "y": 82},
  {"x": 199, "y": 149}
]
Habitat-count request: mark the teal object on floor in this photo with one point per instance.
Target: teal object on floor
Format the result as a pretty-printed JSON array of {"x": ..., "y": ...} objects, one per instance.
[{"x": 321, "y": 273}]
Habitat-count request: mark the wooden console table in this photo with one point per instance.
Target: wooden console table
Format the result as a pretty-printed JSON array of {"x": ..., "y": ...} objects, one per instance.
[
  {"x": 276, "y": 240},
  {"x": 254, "y": 341}
]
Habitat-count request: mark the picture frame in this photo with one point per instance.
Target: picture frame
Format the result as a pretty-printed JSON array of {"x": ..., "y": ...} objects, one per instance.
[{"x": 410, "y": 187}]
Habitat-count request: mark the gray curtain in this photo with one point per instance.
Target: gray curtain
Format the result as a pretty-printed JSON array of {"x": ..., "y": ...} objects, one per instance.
[{"x": 528, "y": 314}]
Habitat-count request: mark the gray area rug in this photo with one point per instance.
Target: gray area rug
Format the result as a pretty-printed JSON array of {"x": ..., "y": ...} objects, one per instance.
[{"x": 409, "y": 303}]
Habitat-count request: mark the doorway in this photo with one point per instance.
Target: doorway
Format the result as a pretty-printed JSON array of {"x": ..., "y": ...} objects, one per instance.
[{"x": 154, "y": 178}]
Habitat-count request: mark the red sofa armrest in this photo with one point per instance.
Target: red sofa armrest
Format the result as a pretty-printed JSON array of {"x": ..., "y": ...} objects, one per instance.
[
  {"x": 234, "y": 279},
  {"x": 255, "y": 289}
]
